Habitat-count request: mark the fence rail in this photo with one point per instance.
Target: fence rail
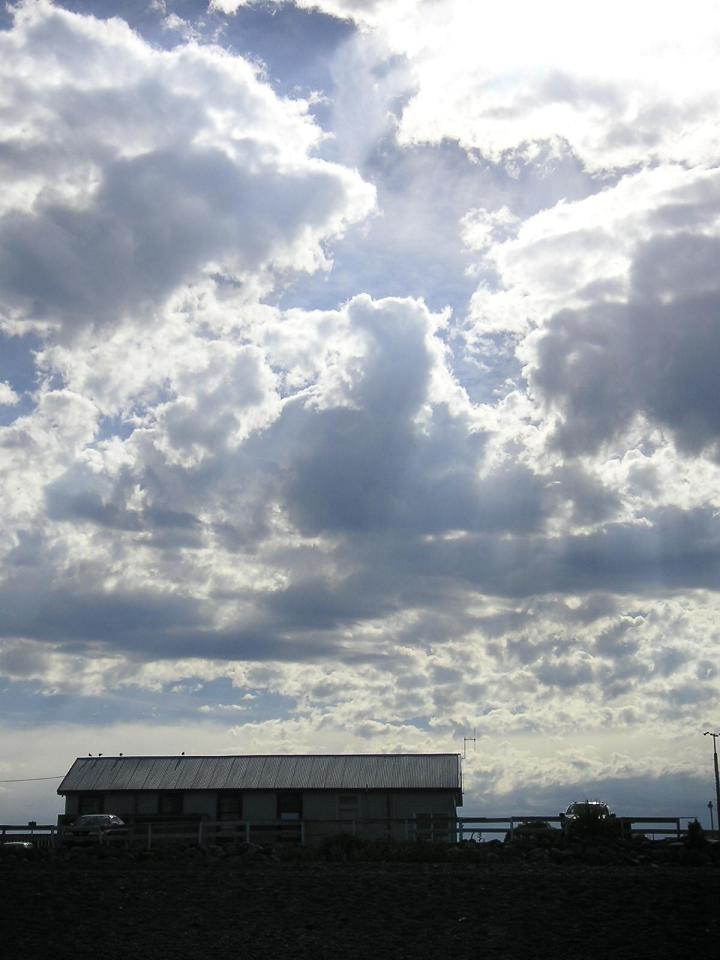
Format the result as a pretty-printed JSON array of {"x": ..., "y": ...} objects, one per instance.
[
  {"x": 475, "y": 827},
  {"x": 39, "y": 834},
  {"x": 426, "y": 827}
]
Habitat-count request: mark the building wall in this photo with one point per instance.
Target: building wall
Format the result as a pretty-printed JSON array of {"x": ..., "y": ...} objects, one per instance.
[
  {"x": 202, "y": 802},
  {"x": 123, "y": 804},
  {"x": 259, "y": 805},
  {"x": 341, "y": 811},
  {"x": 146, "y": 803}
]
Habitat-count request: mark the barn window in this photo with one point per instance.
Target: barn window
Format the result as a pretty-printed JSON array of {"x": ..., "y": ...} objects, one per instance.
[
  {"x": 171, "y": 803},
  {"x": 289, "y": 806},
  {"x": 348, "y": 806},
  {"x": 229, "y": 806},
  {"x": 90, "y": 803}
]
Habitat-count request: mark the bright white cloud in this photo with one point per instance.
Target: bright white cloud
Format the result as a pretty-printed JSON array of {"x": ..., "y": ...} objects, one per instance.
[
  {"x": 175, "y": 166},
  {"x": 623, "y": 87},
  {"x": 8, "y": 397},
  {"x": 629, "y": 84}
]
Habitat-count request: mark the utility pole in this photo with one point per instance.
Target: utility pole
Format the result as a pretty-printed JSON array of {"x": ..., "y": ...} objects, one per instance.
[
  {"x": 709, "y": 733},
  {"x": 712, "y": 823}
]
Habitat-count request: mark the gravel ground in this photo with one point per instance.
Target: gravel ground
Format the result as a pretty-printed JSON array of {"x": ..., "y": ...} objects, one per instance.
[{"x": 203, "y": 907}]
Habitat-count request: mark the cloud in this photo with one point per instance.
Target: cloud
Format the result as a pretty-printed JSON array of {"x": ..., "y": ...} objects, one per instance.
[
  {"x": 38, "y": 447},
  {"x": 176, "y": 165},
  {"x": 8, "y": 397},
  {"x": 632, "y": 332},
  {"x": 360, "y": 10},
  {"x": 634, "y": 88}
]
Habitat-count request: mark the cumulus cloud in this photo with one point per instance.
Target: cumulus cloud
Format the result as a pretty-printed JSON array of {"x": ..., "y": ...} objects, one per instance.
[
  {"x": 8, "y": 397},
  {"x": 176, "y": 165},
  {"x": 619, "y": 297},
  {"x": 622, "y": 88}
]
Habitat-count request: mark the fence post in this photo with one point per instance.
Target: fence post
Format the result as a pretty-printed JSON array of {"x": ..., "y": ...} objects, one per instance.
[{"x": 512, "y": 829}]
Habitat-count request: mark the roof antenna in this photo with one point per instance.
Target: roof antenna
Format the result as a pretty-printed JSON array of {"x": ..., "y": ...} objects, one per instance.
[{"x": 466, "y": 741}]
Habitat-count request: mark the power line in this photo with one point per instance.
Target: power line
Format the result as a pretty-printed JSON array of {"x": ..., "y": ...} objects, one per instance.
[{"x": 28, "y": 779}]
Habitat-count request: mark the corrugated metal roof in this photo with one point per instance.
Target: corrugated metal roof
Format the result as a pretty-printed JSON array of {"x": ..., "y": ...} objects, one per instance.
[{"x": 392, "y": 771}]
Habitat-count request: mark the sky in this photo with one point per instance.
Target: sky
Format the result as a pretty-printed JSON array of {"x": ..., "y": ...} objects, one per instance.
[{"x": 358, "y": 390}]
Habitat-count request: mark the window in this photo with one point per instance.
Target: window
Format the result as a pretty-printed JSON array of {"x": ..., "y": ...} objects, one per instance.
[
  {"x": 229, "y": 806},
  {"x": 289, "y": 806},
  {"x": 90, "y": 803},
  {"x": 171, "y": 803},
  {"x": 348, "y": 806}
]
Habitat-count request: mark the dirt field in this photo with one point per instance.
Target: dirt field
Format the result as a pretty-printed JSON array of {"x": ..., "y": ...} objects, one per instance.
[{"x": 231, "y": 907}]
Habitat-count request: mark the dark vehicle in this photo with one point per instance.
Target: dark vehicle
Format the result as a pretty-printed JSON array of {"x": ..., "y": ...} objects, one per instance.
[
  {"x": 96, "y": 826},
  {"x": 587, "y": 810},
  {"x": 590, "y": 819}
]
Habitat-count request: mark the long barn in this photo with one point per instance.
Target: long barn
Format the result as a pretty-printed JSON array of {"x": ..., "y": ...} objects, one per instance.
[{"x": 379, "y": 793}]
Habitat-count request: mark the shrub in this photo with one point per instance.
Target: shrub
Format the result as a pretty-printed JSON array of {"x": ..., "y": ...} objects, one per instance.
[
  {"x": 535, "y": 832},
  {"x": 343, "y": 846}
]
